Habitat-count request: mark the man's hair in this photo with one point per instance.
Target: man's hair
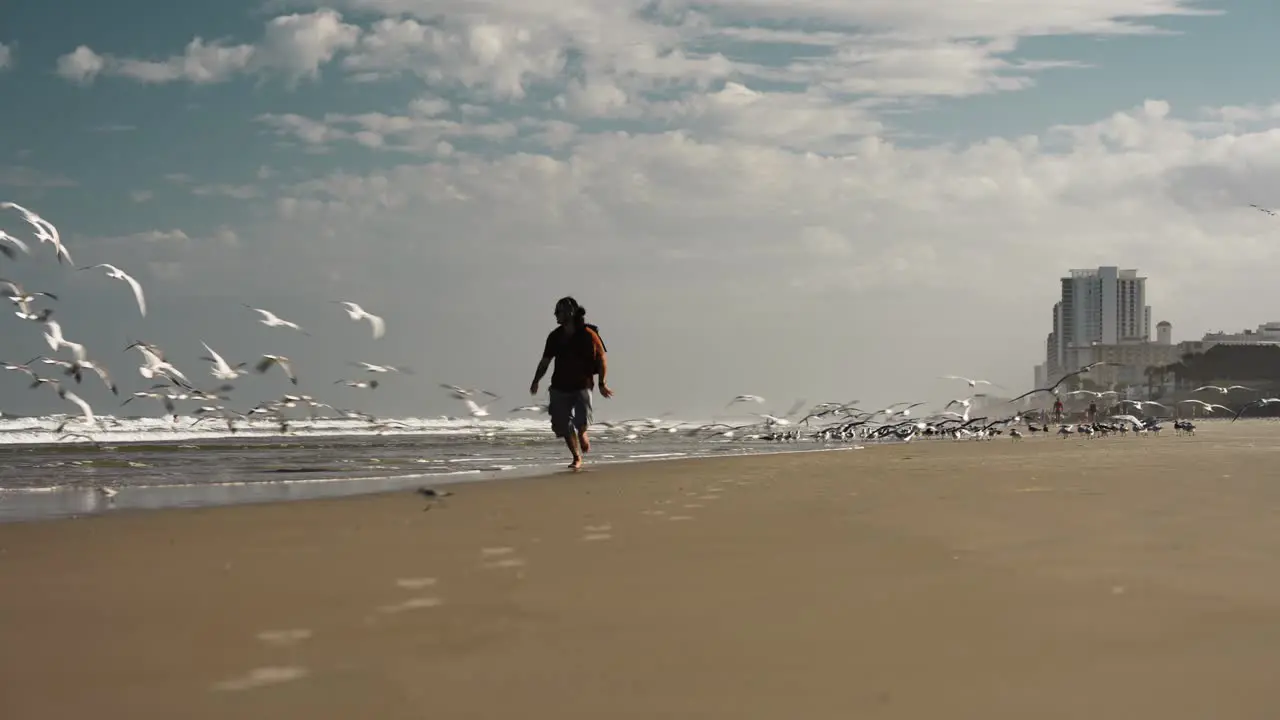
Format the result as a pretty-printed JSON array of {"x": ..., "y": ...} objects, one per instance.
[{"x": 579, "y": 312}]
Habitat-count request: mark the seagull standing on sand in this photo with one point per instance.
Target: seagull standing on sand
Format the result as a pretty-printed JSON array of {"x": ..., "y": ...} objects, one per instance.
[
  {"x": 118, "y": 274},
  {"x": 355, "y": 312}
]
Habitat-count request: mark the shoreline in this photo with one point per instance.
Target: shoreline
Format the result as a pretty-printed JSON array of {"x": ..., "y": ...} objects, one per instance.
[
  {"x": 23, "y": 505},
  {"x": 996, "y": 580}
]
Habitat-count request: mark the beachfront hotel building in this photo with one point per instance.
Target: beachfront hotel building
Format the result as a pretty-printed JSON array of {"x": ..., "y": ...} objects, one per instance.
[
  {"x": 1102, "y": 314},
  {"x": 1266, "y": 334}
]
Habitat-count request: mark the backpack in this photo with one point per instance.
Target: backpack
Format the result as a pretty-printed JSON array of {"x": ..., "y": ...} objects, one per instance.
[{"x": 596, "y": 330}]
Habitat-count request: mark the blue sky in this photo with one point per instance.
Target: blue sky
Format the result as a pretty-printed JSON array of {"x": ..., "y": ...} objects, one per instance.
[
  {"x": 835, "y": 153},
  {"x": 207, "y": 131}
]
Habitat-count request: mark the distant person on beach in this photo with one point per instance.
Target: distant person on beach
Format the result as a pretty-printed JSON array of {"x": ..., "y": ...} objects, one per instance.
[
  {"x": 1093, "y": 412},
  {"x": 579, "y": 355},
  {"x": 1057, "y": 410}
]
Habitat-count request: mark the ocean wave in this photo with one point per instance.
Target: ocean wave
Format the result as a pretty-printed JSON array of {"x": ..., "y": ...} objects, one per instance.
[{"x": 40, "y": 430}]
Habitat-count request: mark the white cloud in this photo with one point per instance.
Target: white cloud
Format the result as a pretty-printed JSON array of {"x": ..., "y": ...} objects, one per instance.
[
  {"x": 501, "y": 59},
  {"x": 171, "y": 256},
  {"x": 993, "y": 18},
  {"x": 805, "y": 121},
  {"x": 29, "y": 177},
  {"x": 298, "y": 45},
  {"x": 996, "y": 220},
  {"x": 601, "y": 55},
  {"x": 238, "y": 192},
  {"x": 81, "y": 66},
  {"x": 293, "y": 46},
  {"x": 201, "y": 63},
  {"x": 697, "y": 161},
  {"x": 6, "y": 56},
  {"x": 624, "y": 47},
  {"x": 1078, "y": 183},
  {"x": 417, "y": 131}
]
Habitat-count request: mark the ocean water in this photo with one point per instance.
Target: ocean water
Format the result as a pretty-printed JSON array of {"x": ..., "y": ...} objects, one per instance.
[{"x": 156, "y": 463}]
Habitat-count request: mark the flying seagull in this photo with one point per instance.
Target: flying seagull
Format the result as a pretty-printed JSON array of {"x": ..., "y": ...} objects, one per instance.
[
  {"x": 270, "y": 319},
  {"x": 355, "y": 312},
  {"x": 44, "y": 230},
  {"x": 1064, "y": 378},
  {"x": 221, "y": 369},
  {"x": 118, "y": 274}
]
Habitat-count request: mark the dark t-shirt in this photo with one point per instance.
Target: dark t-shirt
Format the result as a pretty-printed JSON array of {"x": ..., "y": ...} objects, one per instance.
[{"x": 578, "y": 358}]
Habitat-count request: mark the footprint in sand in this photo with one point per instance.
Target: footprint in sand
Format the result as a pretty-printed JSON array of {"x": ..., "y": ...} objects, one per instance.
[
  {"x": 260, "y": 677},
  {"x": 680, "y": 517},
  {"x": 489, "y": 554},
  {"x": 707, "y": 497},
  {"x": 692, "y": 506},
  {"x": 418, "y": 603},
  {"x": 415, "y": 583},
  {"x": 653, "y": 512},
  {"x": 284, "y": 637},
  {"x": 597, "y": 532}
]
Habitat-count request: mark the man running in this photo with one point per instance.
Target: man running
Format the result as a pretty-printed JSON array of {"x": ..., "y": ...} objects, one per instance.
[{"x": 579, "y": 356}]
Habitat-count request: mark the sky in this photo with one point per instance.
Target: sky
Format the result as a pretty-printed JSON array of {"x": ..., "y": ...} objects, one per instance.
[{"x": 817, "y": 199}]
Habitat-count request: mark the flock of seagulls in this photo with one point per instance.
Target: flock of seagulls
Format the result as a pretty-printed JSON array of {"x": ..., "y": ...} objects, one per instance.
[
  {"x": 830, "y": 421},
  {"x": 846, "y": 421},
  {"x": 68, "y": 361}
]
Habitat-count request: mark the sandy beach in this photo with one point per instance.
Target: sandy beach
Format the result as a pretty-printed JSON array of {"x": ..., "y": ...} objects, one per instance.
[{"x": 1112, "y": 578}]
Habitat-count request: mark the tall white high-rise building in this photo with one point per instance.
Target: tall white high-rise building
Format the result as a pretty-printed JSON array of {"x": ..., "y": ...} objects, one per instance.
[{"x": 1105, "y": 306}]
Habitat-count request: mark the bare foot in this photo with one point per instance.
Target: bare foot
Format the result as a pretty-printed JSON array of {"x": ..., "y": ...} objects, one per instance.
[
  {"x": 576, "y": 464},
  {"x": 584, "y": 442}
]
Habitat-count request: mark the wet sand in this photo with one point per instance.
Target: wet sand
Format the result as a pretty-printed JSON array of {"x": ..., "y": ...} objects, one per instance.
[{"x": 1113, "y": 578}]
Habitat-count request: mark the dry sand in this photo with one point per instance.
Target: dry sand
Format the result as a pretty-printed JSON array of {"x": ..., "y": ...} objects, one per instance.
[{"x": 1118, "y": 578}]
